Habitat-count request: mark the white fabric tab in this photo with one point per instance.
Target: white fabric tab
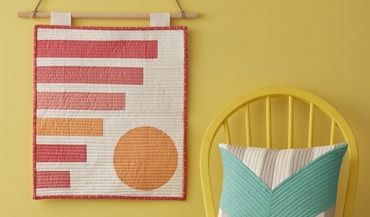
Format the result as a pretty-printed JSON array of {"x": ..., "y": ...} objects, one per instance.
[
  {"x": 159, "y": 19},
  {"x": 61, "y": 18}
]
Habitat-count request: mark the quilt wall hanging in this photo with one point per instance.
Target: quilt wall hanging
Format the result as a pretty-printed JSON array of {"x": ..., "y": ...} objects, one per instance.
[{"x": 110, "y": 112}]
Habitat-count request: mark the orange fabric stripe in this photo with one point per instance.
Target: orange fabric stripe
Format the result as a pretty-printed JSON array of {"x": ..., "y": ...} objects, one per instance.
[{"x": 69, "y": 127}]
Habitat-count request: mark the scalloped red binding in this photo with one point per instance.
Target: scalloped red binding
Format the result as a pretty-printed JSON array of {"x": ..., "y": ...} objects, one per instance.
[{"x": 183, "y": 196}]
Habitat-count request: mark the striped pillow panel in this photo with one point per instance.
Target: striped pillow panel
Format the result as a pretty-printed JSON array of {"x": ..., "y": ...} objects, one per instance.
[{"x": 276, "y": 168}]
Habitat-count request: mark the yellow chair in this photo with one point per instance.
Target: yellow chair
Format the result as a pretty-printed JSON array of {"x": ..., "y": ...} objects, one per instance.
[{"x": 314, "y": 102}]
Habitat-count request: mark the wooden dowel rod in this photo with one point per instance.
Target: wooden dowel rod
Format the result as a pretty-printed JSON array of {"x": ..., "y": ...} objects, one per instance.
[{"x": 97, "y": 15}]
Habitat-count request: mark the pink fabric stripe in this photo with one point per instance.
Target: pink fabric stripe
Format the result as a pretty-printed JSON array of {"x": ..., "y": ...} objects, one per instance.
[
  {"x": 80, "y": 101},
  {"x": 90, "y": 75},
  {"x": 52, "y": 179},
  {"x": 143, "y": 49},
  {"x": 60, "y": 153}
]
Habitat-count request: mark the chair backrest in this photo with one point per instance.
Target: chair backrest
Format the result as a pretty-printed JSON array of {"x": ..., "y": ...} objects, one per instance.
[{"x": 221, "y": 121}]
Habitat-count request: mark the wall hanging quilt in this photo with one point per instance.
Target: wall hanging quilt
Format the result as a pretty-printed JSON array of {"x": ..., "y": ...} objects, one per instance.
[{"x": 110, "y": 112}]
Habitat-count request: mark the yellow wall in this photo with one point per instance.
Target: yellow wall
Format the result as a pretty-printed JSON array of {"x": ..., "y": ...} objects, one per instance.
[{"x": 237, "y": 46}]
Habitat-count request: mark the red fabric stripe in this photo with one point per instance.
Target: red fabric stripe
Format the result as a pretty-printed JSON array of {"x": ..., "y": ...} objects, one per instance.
[
  {"x": 52, "y": 179},
  {"x": 80, "y": 101},
  {"x": 60, "y": 153},
  {"x": 144, "y": 49},
  {"x": 90, "y": 75}
]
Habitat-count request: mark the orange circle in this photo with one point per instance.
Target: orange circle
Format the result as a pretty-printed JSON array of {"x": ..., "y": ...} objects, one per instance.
[{"x": 145, "y": 158}]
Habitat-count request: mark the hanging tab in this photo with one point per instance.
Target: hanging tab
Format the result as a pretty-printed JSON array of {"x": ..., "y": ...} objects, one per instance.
[
  {"x": 160, "y": 19},
  {"x": 61, "y": 18}
]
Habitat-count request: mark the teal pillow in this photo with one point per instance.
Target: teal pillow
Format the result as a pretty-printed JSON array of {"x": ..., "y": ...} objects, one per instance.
[{"x": 262, "y": 182}]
